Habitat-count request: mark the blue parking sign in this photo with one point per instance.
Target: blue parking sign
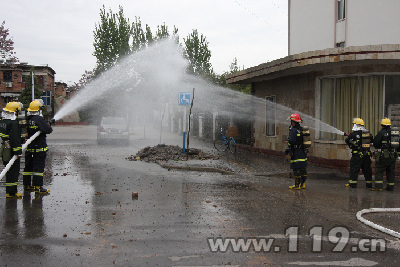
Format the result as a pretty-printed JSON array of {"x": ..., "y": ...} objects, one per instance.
[{"x": 185, "y": 99}]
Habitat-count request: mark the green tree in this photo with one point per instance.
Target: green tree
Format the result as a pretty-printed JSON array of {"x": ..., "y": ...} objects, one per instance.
[
  {"x": 144, "y": 38},
  {"x": 139, "y": 36},
  {"x": 197, "y": 52},
  {"x": 233, "y": 67},
  {"x": 111, "y": 39},
  {"x": 26, "y": 95}
]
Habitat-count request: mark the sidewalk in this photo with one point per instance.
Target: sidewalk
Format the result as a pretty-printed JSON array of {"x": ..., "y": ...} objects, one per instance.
[{"x": 242, "y": 162}]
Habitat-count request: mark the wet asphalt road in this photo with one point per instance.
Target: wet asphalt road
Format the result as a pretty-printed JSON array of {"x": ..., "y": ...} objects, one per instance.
[{"x": 91, "y": 219}]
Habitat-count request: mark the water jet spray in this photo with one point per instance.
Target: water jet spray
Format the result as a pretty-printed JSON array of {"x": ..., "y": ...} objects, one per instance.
[{"x": 144, "y": 81}]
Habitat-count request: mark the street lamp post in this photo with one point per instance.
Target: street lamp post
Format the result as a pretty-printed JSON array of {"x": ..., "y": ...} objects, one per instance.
[{"x": 33, "y": 87}]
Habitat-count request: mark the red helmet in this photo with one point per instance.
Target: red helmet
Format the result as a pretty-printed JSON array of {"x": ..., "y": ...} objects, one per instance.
[{"x": 296, "y": 117}]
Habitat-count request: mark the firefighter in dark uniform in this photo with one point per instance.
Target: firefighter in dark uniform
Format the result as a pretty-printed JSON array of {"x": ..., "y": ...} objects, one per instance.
[
  {"x": 386, "y": 156},
  {"x": 297, "y": 152},
  {"x": 360, "y": 156},
  {"x": 36, "y": 152},
  {"x": 10, "y": 133}
]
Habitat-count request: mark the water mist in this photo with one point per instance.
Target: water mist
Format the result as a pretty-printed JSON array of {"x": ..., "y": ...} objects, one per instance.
[{"x": 152, "y": 77}]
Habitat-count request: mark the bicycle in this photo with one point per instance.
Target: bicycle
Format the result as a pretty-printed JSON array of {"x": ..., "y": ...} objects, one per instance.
[{"x": 225, "y": 143}]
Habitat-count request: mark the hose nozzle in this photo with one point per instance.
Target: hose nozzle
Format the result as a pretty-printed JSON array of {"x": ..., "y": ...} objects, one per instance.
[
  {"x": 345, "y": 134},
  {"x": 52, "y": 121}
]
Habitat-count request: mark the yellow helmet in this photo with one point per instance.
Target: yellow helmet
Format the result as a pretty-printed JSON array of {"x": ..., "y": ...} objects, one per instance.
[
  {"x": 386, "y": 122},
  {"x": 12, "y": 107},
  {"x": 35, "y": 105},
  {"x": 358, "y": 121}
]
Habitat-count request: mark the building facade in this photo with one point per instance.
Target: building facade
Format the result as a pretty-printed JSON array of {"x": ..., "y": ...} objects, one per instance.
[
  {"x": 327, "y": 80},
  {"x": 317, "y": 25},
  {"x": 12, "y": 82}
]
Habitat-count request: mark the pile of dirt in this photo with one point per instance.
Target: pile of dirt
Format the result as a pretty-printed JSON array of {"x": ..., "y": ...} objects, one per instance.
[{"x": 164, "y": 152}]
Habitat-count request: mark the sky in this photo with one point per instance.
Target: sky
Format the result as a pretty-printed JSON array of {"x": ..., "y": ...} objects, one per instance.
[{"x": 60, "y": 33}]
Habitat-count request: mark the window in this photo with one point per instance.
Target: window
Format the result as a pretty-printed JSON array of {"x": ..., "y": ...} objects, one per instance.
[
  {"x": 7, "y": 76},
  {"x": 270, "y": 115},
  {"x": 46, "y": 97},
  {"x": 343, "y": 99},
  {"x": 341, "y": 8},
  {"x": 392, "y": 96}
]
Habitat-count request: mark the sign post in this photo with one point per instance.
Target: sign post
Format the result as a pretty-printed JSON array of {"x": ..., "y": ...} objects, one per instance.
[{"x": 184, "y": 100}]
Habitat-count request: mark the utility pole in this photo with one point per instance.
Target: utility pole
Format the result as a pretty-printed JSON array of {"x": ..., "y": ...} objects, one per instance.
[
  {"x": 190, "y": 113},
  {"x": 33, "y": 87}
]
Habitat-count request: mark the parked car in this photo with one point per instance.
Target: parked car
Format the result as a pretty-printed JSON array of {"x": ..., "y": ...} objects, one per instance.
[{"x": 113, "y": 129}]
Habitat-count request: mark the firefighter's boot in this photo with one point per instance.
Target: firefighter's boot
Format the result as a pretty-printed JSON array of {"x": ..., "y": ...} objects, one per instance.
[
  {"x": 296, "y": 185},
  {"x": 390, "y": 187},
  {"x": 303, "y": 185},
  {"x": 376, "y": 189},
  {"x": 41, "y": 190},
  {"x": 351, "y": 185},
  {"x": 29, "y": 188},
  {"x": 15, "y": 195}
]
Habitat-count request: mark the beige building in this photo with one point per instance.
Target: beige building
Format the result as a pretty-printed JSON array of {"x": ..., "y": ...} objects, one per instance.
[{"x": 333, "y": 84}]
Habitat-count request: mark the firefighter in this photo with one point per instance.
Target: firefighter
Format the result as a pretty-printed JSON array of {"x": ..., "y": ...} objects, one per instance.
[
  {"x": 297, "y": 152},
  {"x": 10, "y": 133},
  {"x": 360, "y": 154},
  {"x": 36, "y": 152},
  {"x": 385, "y": 159}
]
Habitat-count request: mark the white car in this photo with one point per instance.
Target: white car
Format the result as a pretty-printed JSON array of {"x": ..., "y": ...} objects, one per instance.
[{"x": 113, "y": 129}]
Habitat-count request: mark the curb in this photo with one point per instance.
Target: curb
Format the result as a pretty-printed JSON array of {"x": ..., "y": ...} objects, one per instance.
[{"x": 311, "y": 175}]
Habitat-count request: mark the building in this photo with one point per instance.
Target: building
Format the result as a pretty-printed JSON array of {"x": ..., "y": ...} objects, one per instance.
[
  {"x": 342, "y": 63},
  {"x": 12, "y": 82},
  {"x": 60, "y": 89}
]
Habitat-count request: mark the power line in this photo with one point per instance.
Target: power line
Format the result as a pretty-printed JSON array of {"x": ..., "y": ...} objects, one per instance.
[
  {"x": 278, "y": 7},
  {"x": 263, "y": 20}
]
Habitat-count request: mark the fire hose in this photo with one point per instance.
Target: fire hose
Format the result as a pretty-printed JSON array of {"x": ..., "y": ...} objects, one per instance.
[
  {"x": 14, "y": 158},
  {"x": 377, "y": 226}
]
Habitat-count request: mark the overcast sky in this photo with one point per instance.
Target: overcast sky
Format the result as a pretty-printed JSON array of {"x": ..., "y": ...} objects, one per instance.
[{"x": 59, "y": 33}]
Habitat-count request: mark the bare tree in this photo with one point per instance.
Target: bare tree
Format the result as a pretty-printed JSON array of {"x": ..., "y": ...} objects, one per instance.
[{"x": 7, "y": 54}]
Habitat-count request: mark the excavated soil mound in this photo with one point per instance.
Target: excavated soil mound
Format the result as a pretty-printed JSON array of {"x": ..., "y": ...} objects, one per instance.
[{"x": 164, "y": 152}]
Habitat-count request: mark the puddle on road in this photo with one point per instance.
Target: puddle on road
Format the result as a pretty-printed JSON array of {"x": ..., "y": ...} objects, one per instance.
[
  {"x": 64, "y": 213},
  {"x": 70, "y": 199}
]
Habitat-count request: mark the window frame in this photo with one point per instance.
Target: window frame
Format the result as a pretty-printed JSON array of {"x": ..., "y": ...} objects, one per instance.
[
  {"x": 46, "y": 97},
  {"x": 341, "y": 10},
  {"x": 359, "y": 76}
]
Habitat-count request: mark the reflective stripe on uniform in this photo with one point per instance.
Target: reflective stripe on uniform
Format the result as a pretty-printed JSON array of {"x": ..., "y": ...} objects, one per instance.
[
  {"x": 390, "y": 183},
  {"x": 4, "y": 135},
  {"x": 11, "y": 184},
  {"x": 298, "y": 160},
  {"x": 38, "y": 173},
  {"x": 37, "y": 149},
  {"x": 378, "y": 182},
  {"x": 17, "y": 148},
  {"x": 368, "y": 182},
  {"x": 27, "y": 173},
  {"x": 33, "y": 127},
  {"x": 352, "y": 182}
]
